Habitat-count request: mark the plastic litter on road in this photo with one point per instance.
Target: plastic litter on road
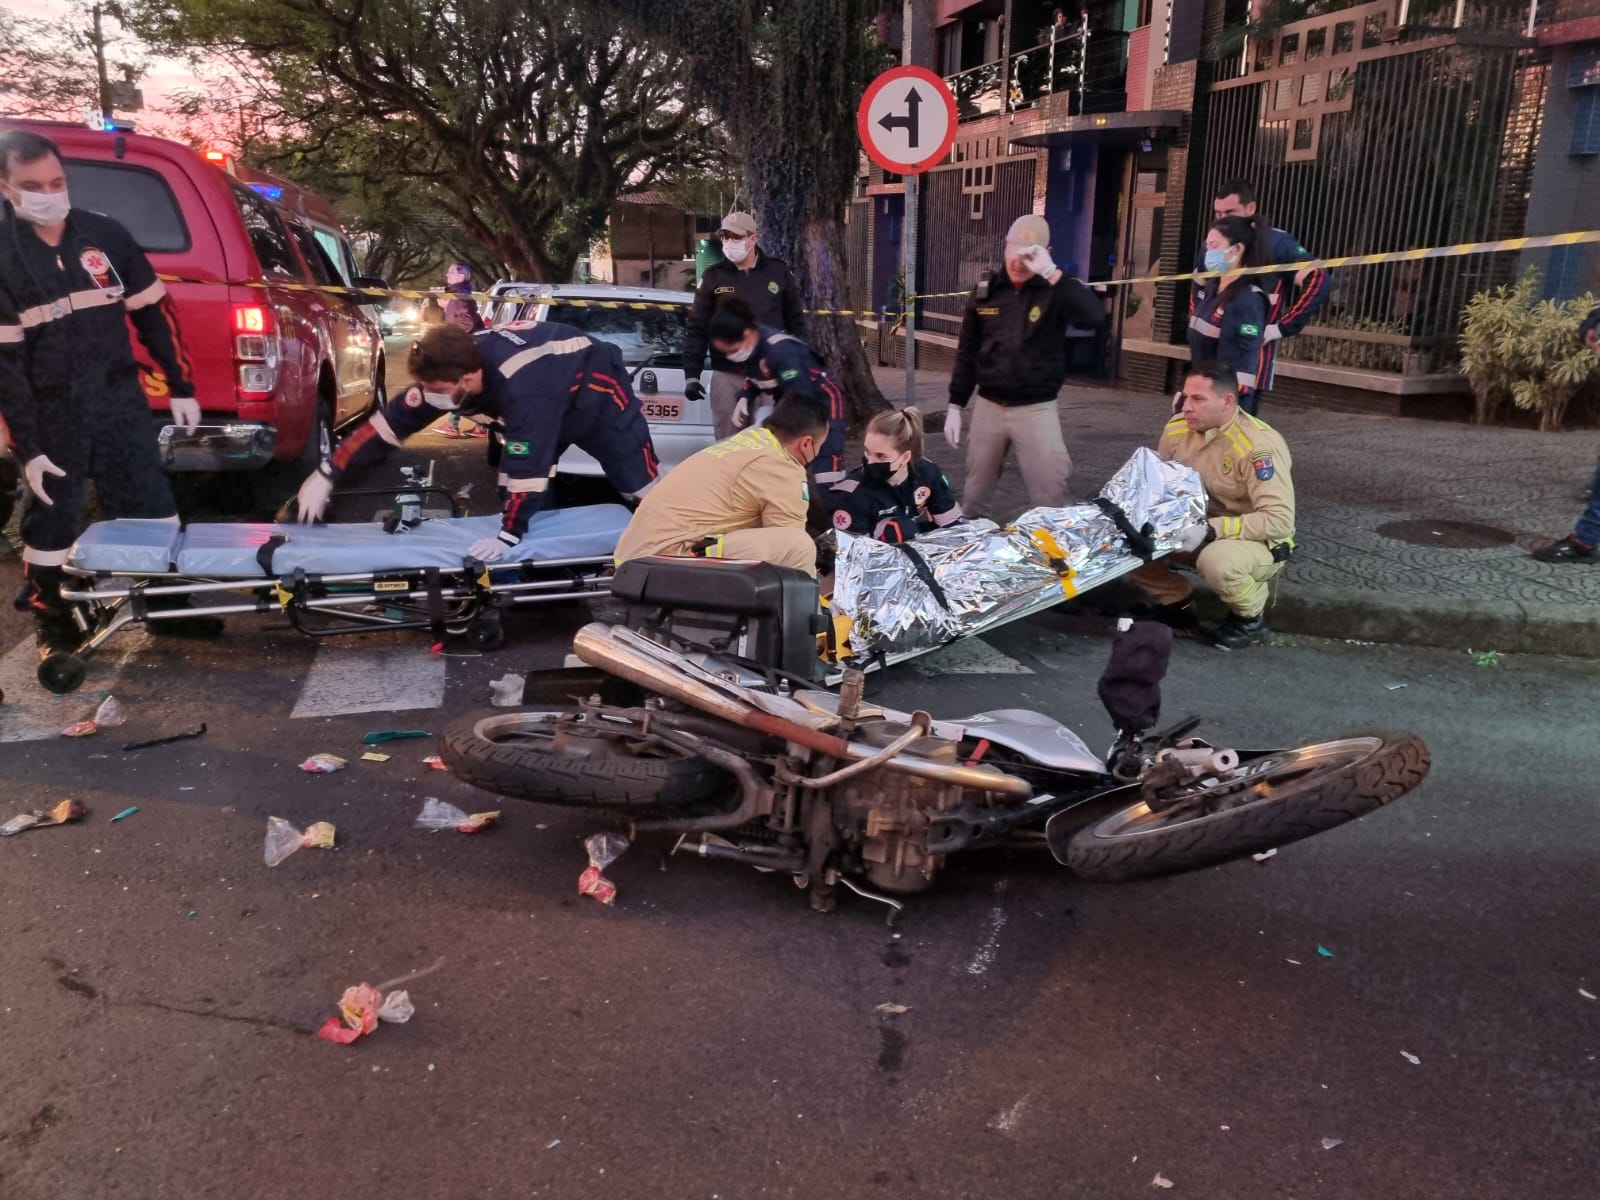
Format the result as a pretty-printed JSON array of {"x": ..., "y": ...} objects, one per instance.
[
  {"x": 604, "y": 849},
  {"x": 1330, "y": 1143},
  {"x": 108, "y": 716},
  {"x": 437, "y": 815},
  {"x": 1324, "y": 952},
  {"x": 1411, "y": 1058},
  {"x": 373, "y": 756},
  {"x": 283, "y": 839},
  {"x": 434, "y": 763},
  {"x": 323, "y": 764},
  {"x": 61, "y": 813},
  {"x": 1264, "y": 855},
  {"x": 891, "y": 1009},
  {"x": 127, "y": 812},
  {"x": 1587, "y": 995},
  {"x": 361, "y": 1008},
  {"x": 1161, "y": 1181},
  {"x": 506, "y": 692},
  {"x": 380, "y": 736}
]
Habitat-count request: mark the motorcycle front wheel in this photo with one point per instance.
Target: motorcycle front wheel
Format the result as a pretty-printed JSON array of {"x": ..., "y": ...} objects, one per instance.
[
  {"x": 1267, "y": 802},
  {"x": 565, "y": 757}
]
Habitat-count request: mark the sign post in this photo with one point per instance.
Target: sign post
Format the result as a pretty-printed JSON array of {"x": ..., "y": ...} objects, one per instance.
[{"x": 907, "y": 122}]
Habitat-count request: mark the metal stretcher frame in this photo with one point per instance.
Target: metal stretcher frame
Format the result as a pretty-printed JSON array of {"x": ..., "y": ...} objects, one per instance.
[{"x": 467, "y": 600}]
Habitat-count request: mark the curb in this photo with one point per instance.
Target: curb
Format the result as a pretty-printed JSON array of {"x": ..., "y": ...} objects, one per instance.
[{"x": 1452, "y": 623}]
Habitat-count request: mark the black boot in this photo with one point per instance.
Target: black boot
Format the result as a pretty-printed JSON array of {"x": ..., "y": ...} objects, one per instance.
[
  {"x": 1237, "y": 632},
  {"x": 1568, "y": 550},
  {"x": 52, "y": 616}
]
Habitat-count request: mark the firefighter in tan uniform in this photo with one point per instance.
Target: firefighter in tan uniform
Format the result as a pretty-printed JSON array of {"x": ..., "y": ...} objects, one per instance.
[
  {"x": 1249, "y": 533},
  {"x": 745, "y": 497}
]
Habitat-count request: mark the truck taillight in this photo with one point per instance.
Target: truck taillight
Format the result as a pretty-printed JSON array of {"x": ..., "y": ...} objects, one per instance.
[{"x": 255, "y": 350}]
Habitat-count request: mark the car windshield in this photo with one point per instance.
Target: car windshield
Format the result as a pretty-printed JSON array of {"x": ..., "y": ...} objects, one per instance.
[{"x": 647, "y": 337}]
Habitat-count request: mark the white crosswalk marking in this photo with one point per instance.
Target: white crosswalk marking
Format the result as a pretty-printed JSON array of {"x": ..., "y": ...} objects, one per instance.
[
  {"x": 367, "y": 678},
  {"x": 971, "y": 656},
  {"x": 30, "y": 713}
]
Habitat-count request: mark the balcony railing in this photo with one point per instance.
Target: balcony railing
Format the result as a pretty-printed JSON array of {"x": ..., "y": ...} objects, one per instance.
[{"x": 1090, "y": 70}]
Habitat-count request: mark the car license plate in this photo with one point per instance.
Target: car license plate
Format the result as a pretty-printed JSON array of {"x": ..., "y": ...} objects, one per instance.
[{"x": 663, "y": 409}]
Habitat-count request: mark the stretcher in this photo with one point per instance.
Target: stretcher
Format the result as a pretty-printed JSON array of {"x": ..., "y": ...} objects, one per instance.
[{"x": 328, "y": 580}]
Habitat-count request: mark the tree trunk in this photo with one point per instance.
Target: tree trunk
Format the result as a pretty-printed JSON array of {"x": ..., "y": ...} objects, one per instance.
[{"x": 836, "y": 340}]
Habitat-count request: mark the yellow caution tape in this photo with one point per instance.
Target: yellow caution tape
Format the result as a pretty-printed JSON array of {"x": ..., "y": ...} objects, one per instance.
[{"x": 1539, "y": 242}]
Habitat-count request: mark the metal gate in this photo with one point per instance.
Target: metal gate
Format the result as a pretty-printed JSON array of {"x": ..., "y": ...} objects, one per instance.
[
  {"x": 1361, "y": 144},
  {"x": 965, "y": 214}
]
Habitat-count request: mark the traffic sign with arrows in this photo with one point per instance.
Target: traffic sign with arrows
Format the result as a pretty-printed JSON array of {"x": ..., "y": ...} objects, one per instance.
[{"x": 907, "y": 120}]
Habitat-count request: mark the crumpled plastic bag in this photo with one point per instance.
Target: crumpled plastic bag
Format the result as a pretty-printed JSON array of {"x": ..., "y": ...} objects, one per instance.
[
  {"x": 604, "y": 849},
  {"x": 361, "y": 1008},
  {"x": 108, "y": 716},
  {"x": 322, "y": 764},
  {"x": 506, "y": 692},
  {"x": 57, "y": 814},
  {"x": 437, "y": 815},
  {"x": 283, "y": 839}
]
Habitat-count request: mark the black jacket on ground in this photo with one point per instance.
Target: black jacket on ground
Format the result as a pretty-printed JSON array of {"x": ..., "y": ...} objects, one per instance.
[
  {"x": 767, "y": 288},
  {"x": 1013, "y": 344}
]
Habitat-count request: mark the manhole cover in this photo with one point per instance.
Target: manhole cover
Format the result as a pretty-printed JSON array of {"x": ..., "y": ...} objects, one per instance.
[{"x": 1458, "y": 535}]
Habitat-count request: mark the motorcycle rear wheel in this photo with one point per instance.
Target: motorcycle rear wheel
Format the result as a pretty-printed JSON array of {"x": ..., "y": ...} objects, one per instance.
[
  {"x": 558, "y": 756},
  {"x": 1271, "y": 801}
]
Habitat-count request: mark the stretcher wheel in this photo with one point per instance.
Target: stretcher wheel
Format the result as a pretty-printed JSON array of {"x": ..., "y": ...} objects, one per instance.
[
  {"x": 62, "y": 673},
  {"x": 488, "y": 633}
]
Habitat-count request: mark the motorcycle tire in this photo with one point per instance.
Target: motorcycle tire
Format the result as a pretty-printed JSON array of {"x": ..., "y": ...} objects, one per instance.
[
  {"x": 509, "y": 754},
  {"x": 1299, "y": 792}
]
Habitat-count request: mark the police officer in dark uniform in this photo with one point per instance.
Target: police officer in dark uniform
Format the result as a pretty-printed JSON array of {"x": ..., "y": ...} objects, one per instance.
[
  {"x": 764, "y": 284},
  {"x": 544, "y": 387},
  {"x": 70, "y": 281},
  {"x": 896, "y": 493},
  {"x": 777, "y": 364},
  {"x": 1013, "y": 350}
]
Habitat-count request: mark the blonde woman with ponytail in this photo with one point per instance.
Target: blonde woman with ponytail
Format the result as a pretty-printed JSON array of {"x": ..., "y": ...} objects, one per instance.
[{"x": 895, "y": 493}]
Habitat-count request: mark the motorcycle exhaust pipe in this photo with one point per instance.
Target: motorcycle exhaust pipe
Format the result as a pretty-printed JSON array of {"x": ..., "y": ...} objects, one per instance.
[{"x": 596, "y": 648}]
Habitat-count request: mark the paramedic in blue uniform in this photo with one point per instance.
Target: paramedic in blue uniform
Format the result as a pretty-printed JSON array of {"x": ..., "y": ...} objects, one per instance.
[
  {"x": 778, "y": 364},
  {"x": 1230, "y": 312},
  {"x": 70, "y": 283},
  {"x": 1292, "y": 296},
  {"x": 543, "y": 386},
  {"x": 896, "y": 493}
]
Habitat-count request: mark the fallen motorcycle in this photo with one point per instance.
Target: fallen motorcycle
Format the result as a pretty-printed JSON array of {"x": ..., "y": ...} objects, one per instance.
[{"x": 765, "y": 768}]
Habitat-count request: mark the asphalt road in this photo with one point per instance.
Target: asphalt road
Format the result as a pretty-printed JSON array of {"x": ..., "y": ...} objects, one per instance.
[{"x": 709, "y": 1036}]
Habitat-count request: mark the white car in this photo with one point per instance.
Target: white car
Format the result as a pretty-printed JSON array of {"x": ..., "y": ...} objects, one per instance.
[{"x": 651, "y": 340}]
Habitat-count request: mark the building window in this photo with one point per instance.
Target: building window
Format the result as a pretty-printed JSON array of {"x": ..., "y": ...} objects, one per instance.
[
  {"x": 976, "y": 211},
  {"x": 1586, "y": 122},
  {"x": 1561, "y": 277}
]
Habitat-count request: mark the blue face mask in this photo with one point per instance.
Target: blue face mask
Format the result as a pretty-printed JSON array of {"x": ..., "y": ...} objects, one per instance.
[{"x": 1217, "y": 260}]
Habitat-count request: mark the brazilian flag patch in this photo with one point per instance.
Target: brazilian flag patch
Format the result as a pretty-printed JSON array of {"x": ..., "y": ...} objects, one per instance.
[
  {"x": 773, "y": 287},
  {"x": 789, "y": 374},
  {"x": 517, "y": 449},
  {"x": 1250, "y": 330}
]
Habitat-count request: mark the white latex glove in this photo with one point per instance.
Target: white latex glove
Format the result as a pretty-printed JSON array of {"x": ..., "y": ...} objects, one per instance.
[
  {"x": 35, "y": 470},
  {"x": 487, "y": 550},
  {"x": 312, "y": 500},
  {"x": 1193, "y": 538},
  {"x": 1272, "y": 334},
  {"x": 741, "y": 413},
  {"x": 952, "y": 425},
  {"x": 1038, "y": 260},
  {"x": 185, "y": 412}
]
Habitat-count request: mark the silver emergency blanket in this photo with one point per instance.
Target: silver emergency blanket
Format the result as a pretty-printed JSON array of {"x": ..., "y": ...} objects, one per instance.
[{"x": 988, "y": 575}]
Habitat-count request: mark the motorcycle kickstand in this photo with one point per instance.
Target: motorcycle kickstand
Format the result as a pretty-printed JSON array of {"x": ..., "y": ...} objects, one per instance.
[{"x": 895, "y": 907}]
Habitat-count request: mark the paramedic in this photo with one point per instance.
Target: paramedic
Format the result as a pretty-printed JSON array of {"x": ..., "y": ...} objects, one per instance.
[
  {"x": 778, "y": 364},
  {"x": 896, "y": 493},
  {"x": 70, "y": 283},
  {"x": 744, "y": 497},
  {"x": 544, "y": 387}
]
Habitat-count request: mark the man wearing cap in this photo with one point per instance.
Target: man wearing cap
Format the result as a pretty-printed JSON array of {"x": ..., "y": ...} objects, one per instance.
[
  {"x": 1013, "y": 350},
  {"x": 763, "y": 283}
]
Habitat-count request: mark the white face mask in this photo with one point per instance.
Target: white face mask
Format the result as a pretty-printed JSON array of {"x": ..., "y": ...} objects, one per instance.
[
  {"x": 741, "y": 355},
  {"x": 737, "y": 251},
  {"x": 42, "y": 208},
  {"x": 441, "y": 400}
]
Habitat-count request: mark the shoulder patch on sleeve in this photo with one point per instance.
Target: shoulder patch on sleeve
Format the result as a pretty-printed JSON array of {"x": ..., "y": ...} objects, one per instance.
[
  {"x": 1261, "y": 464},
  {"x": 841, "y": 519},
  {"x": 1250, "y": 330}
]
